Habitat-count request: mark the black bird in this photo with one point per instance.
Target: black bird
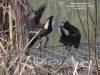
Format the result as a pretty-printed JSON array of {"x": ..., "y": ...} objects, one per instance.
[
  {"x": 45, "y": 30},
  {"x": 70, "y": 35},
  {"x": 33, "y": 25}
]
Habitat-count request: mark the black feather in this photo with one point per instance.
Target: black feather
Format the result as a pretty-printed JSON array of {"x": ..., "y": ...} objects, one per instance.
[{"x": 73, "y": 38}]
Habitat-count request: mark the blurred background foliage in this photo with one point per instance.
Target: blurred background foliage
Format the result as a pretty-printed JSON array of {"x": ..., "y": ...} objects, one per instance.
[{"x": 63, "y": 13}]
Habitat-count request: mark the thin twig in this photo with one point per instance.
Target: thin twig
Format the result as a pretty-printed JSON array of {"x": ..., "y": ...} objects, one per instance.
[
  {"x": 32, "y": 39},
  {"x": 24, "y": 65},
  {"x": 2, "y": 47},
  {"x": 95, "y": 27},
  {"x": 88, "y": 32},
  {"x": 81, "y": 21}
]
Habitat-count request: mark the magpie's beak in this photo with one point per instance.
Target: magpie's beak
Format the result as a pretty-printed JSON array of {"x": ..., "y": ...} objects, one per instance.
[
  {"x": 54, "y": 17},
  {"x": 53, "y": 20}
]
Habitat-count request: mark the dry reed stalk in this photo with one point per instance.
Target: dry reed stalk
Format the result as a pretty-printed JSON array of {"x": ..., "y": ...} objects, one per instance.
[
  {"x": 42, "y": 68},
  {"x": 90, "y": 68},
  {"x": 24, "y": 66},
  {"x": 90, "y": 15},
  {"x": 30, "y": 67},
  {"x": 17, "y": 69},
  {"x": 81, "y": 20},
  {"x": 31, "y": 40},
  {"x": 75, "y": 69},
  {"x": 27, "y": 65},
  {"x": 61, "y": 66},
  {"x": 2, "y": 39},
  {"x": 13, "y": 62},
  {"x": 5, "y": 70},
  {"x": 2, "y": 47},
  {"x": 33, "y": 64},
  {"x": 22, "y": 4},
  {"x": 16, "y": 72},
  {"x": 10, "y": 26},
  {"x": 41, "y": 62},
  {"x": 88, "y": 32},
  {"x": 95, "y": 32}
]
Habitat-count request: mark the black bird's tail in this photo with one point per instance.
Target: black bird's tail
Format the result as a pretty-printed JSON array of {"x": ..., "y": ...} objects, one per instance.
[
  {"x": 41, "y": 9},
  {"x": 38, "y": 14}
]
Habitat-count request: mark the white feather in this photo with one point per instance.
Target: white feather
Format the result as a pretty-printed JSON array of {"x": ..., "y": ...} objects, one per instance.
[
  {"x": 46, "y": 25},
  {"x": 66, "y": 32},
  {"x": 59, "y": 30}
]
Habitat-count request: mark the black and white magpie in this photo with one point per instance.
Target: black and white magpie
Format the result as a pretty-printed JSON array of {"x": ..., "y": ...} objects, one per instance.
[
  {"x": 70, "y": 35},
  {"x": 33, "y": 25},
  {"x": 45, "y": 30}
]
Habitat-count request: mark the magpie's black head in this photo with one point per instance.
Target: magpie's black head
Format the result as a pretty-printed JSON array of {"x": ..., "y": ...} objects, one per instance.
[
  {"x": 51, "y": 19},
  {"x": 66, "y": 22}
]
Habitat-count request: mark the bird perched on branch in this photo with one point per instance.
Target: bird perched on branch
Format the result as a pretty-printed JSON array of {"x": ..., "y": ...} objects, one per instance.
[
  {"x": 33, "y": 25},
  {"x": 70, "y": 35}
]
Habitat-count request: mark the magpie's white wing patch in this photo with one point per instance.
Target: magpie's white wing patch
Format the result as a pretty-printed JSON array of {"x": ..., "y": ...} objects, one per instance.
[
  {"x": 66, "y": 31},
  {"x": 46, "y": 25}
]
